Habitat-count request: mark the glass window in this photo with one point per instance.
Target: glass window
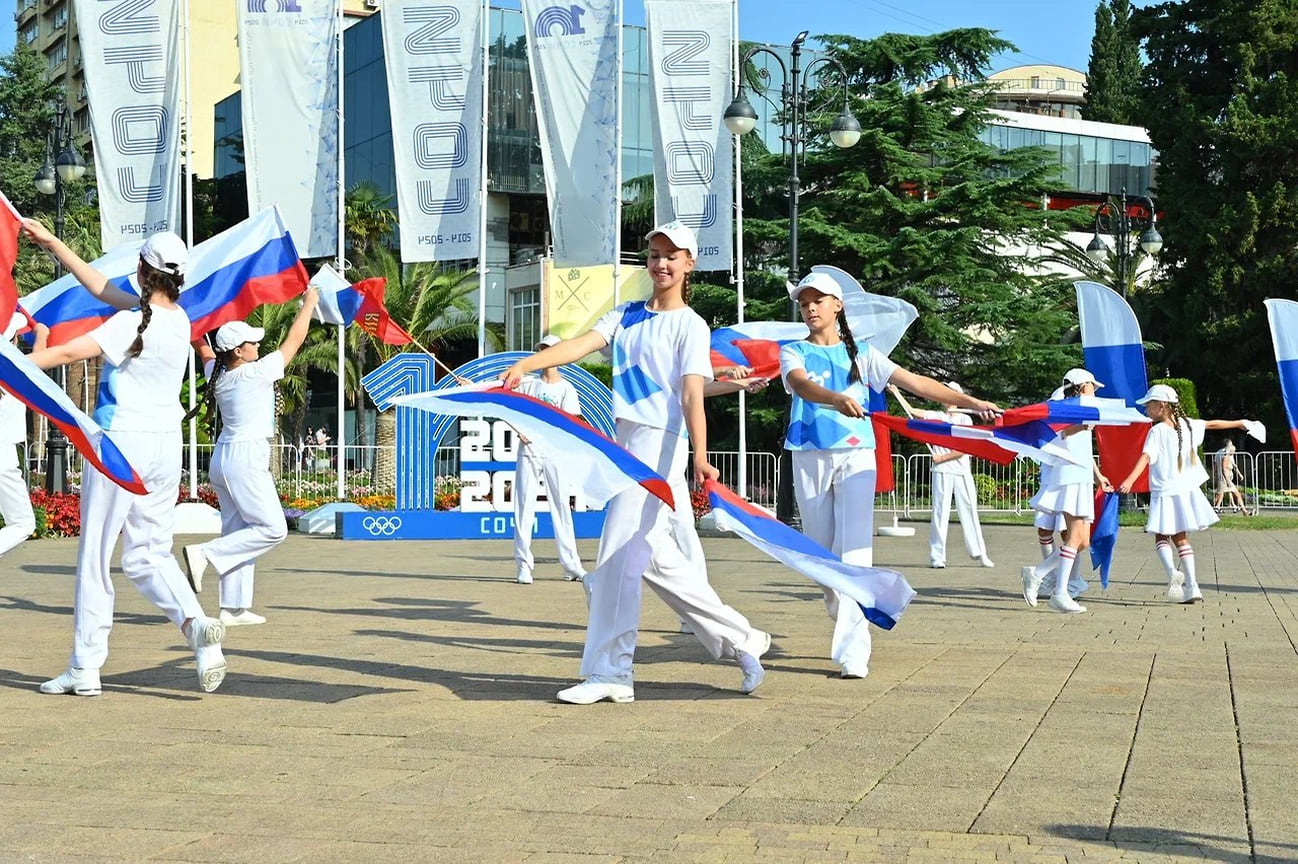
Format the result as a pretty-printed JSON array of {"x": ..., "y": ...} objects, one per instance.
[
  {"x": 58, "y": 55},
  {"x": 524, "y": 318}
]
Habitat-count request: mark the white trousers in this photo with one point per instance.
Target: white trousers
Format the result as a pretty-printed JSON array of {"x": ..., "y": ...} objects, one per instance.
[
  {"x": 961, "y": 487},
  {"x": 146, "y": 524},
  {"x": 532, "y": 469},
  {"x": 15, "y": 500},
  {"x": 835, "y": 492},
  {"x": 642, "y": 540},
  {"x": 252, "y": 518}
]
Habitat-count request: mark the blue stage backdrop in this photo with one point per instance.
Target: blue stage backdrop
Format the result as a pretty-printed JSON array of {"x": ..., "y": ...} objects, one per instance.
[{"x": 487, "y": 455}]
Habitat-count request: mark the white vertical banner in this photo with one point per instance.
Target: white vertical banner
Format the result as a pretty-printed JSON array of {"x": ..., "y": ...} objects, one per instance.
[
  {"x": 433, "y": 52},
  {"x": 690, "y": 58},
  {"x": 133, "y": 80},
  {"x": 576, "y": 67},
  {"x": 288, "y": 71}
]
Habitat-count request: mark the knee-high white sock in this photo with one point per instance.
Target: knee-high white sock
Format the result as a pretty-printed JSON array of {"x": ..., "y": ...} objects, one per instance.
[
  {"x": 1187, "y": 565},
  {"x": 1163, "y": 549},
  {"x": 1067, "y": 557},
  {"x": 1047, "y": 546}
]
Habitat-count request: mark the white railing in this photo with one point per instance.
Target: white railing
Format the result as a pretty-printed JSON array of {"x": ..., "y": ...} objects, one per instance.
[{"x": 1000, "y": 488}]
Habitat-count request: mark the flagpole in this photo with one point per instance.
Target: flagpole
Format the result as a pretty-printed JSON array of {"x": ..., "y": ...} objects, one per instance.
[
  {"x": 735, "y": 72},
  {"x": 617, "y": 168},
  {"x": 342, "y": 269},
  {"x": 189, "y": 241},
  {"x": 482, "y": 193}
]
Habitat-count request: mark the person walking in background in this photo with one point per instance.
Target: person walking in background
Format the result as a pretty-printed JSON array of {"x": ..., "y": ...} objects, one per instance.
[
  {"x": 534, "y": 464},
  {"x": 15, "y": 497},
  {"x": 146, "y": 352},
  {"x": 1225, "y": 473},
  {"x": 240, "y": 391},
  {"x": 952, "y": 477}
]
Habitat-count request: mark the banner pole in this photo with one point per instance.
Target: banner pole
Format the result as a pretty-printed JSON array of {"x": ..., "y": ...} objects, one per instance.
[
  {"x": 617, "y": 168},
  {"x": 738, "y": 264},
  {"x": 342, "y": 268},
  {"x": 189, "y": 242},
  {"x": 482, "y": 181}
]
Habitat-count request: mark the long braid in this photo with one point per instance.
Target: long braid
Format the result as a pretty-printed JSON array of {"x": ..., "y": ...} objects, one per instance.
[
  {"x": 208, "y": 400},
  {"x": 1177, "y": 416},
  {"x": 146, "y": 315},
  {"x": 685, "y": 289},
  {"x": 152, "y": 279},
  {"x": 845, "y": 333}
]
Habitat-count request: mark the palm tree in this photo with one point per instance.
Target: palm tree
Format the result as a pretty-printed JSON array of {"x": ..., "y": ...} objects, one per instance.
[
  {"x": 369, "y": 217},
  {"x": 1073, "y": 258}
]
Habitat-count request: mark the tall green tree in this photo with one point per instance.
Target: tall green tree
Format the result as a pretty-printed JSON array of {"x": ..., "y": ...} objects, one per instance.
[
  {"x": 1113, "y": 76},
  {"x": 1220, "y": 99}
]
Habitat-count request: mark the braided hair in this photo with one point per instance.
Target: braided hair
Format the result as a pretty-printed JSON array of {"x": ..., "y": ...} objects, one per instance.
[
  {"x": 1178, "y": 418},
  {"x": 208, "y": 398},
  {"x": 685, "y": 289},
  {"x": 845, "y": 333},
  {"x": 151, "y": 280}
]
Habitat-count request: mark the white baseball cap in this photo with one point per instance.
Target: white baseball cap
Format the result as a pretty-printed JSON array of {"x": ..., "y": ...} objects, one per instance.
[
  {"x": 1159, "y": 393},
  {"x": 235, "y": 333},
  {"x": 166, "y": 252},
  {"x": 1078, "y": 376},
  {"x": 681, "y": 235},
  {"x": 822, "y": 282},
  {"x": 16, "y": 323},
  {"x": 546, "y": 341},
  {"x": 954, "y": 386}
]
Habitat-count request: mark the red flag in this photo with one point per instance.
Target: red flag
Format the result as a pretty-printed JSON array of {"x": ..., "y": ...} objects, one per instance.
[
  {"x": 373, "y": 317},
  {"x": 884, "y": 479},
  {"x": 10, "y": 223}
]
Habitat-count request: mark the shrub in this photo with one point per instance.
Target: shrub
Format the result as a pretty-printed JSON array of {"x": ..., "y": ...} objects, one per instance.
[{"x": 57, "y": 514}]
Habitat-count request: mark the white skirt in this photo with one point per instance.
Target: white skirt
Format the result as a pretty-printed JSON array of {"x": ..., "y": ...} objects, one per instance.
[
  {"x": 1075, "y": 499},
  {"x": 1182, "y": 511}
]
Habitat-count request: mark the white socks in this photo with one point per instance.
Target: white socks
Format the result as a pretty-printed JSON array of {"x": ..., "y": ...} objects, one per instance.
[
  {"x": 1187, "y": 566},
  {"x": 1067, "y": 558}
]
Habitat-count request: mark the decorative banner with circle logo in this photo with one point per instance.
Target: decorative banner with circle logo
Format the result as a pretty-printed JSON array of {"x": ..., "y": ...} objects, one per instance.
[
  {"x": 288, "y": 68},
  {"x": 133, "y": 75},
  {"x": 572, "y": 49}
]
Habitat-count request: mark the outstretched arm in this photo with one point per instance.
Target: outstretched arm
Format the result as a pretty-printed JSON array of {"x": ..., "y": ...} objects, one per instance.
[
  {"x": 301, "y": 325},
  {"x": 1125, "y": 486},
  {"x": 81, "y": 348},
  {"x": 931, "y": 388},
  {"x": 567, "y": 351},
  {"x": 90, "y": 278}
]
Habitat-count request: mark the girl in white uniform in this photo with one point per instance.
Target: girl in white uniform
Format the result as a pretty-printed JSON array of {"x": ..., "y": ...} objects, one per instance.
[
  {"x": 660, "y": 365},
  {"x": 551, "y": 388},
  {"x": 15, "y": 497},
  {"x": 832, "y": 441},
  {"x": 146, "y": 352},
  {"x": 1068, "y": 492},
  {"x": 242, "y": 386},
  {"x": 1177, "y": 504}
]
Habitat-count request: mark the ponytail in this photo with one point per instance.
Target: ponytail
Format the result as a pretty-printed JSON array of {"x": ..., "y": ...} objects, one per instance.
[
  {"x": 152, "y": 279},
  {"x": 208, "y": 399},
  {"x": 685, "y": 289},
  {"x": 1177, "y": 417},
  {"x": 845, "y": 333}
]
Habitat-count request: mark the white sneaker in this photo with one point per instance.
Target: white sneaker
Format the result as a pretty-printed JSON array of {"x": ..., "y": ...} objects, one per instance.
[
  {"x": 1176, "y": 592},
  {"x": 205, "y": 635},
  {"x": 195, "y": 564},
  {"x": 574, "y": 576},
  {"x": 984, "y": 561},
  {"x": 1077, "y": 585},
  {"x": 751, "y": 666},
  {"x": 1031, "y": 584},
  {"x": 524, "y": 577},
  {"x": 1064, "y": 603},
  {"x": 1192, "y": 595},
  {"x": 240, "y": 617},
  {"x": 937, "y": 565},
  {"x": 597, "y": 688},
  {"x": 852, "y": 671},
  {"x": 78, "y": 682}
]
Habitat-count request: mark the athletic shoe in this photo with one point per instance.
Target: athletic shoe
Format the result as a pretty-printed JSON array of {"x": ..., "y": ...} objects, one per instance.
[
  {"x": 1077, "y": 585},
  {"x": 751, "y": 666},
  {"x": 195, "y": 564},
  {"x": 240, "y": 617},
  {"x": 574, "y": 576},
  {"x": 77, "y": 681},
  {"x": 851, "y": 670},
  {"x": 1176, "y": 592},
  {"x": 524, "y": 577},
  {"x": 205, "y": 635},
  {"x": 598, "y": 688},
  {"x": 1064, "y": 603},
  {"x": 1031, "y": 584},
  {"x": 1194, "y": 595},
  {"x": 937, "y": 565},
  {"x": 984, "y": 561}
]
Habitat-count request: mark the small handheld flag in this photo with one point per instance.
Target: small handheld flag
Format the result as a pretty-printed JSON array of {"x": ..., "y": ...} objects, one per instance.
[{"x": 1104, "y": 533}]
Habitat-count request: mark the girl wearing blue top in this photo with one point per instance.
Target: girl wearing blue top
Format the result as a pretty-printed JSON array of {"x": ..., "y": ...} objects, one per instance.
[
  {"x": 832, "y": 441},
  {"x": 661, "y": 368}
]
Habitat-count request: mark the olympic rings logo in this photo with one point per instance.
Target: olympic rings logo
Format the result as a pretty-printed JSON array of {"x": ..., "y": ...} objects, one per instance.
[{"x": 384, "y": 526}]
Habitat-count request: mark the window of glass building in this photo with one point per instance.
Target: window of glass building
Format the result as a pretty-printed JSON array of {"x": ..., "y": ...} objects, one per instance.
[{"x": 524, "y": 318}]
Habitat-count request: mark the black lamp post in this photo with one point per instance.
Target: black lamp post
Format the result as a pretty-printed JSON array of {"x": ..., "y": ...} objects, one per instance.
[
  {"x": 740, "y": 118},
  {"x": 51, "y": 180},
  {"x": 1114, "y": 218}
]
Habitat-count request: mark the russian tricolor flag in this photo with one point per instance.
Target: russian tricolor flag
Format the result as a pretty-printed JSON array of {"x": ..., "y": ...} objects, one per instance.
[
  {"x": 1077, "y": 409},
  {"x": 23, "y": 379},
  {"x": 1000, "y": 444},
  {"x": 1283, "y": 315},
  {"x": 10, "y": 224},
  {"x": 228, "y": 276},
  {"x": 882, "y": 594},
  {"x": 361, "y": 304},
  {"x": 607, "y": 468}
]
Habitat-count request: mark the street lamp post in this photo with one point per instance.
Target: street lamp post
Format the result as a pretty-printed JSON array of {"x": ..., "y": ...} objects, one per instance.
[
  {"x": 1114, "y": 218},
  {"x": 50, "y": 180},
  {"x": 740, "y": 118}
]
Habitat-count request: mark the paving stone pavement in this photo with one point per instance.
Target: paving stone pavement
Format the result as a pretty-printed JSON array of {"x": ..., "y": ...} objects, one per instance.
[{"x": 399, "y": 706}]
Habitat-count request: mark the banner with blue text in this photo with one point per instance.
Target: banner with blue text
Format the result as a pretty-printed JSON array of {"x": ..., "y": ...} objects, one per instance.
[
  {"x": 435, "y": 79},
  {"x": 288, "y": 68},
  {"x": 572, "y": 49},
  {"x": 131, "y": 52},
  {"x": 690, "y": 44}
]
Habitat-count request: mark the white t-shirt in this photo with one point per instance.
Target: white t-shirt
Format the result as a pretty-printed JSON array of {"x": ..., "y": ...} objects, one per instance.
[
  {"x": 245, "y": 396},
  {"x": 1079, "y": 444},
  {"x": 652, "y": 354},
  {"x": 561, "y": 394},
  {"x": 13, "y": 419},
  {"x": 142, "y": 394},
  {"x": 1165, "y": 477},
  {"x": 955, "y": 466}
]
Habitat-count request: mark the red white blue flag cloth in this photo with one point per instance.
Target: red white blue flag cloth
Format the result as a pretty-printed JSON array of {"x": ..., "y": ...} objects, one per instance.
[
  {"x": 1104, "y": 533},
  {"x": 228, "y": 276},
  {"x": 34, "y": 388},
  {"x": 1283, "y": 315},
  {"x": 10, "y": 223},
  {"x": 882, "y": 594},
  {"x": 608, "y": 467},
  {"x": 1077, "y": 409},
  {"x": 1000, "y": 444},
  {"x": 361, "y": 304}
]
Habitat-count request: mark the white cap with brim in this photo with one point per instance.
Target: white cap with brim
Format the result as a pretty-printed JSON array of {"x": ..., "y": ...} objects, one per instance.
[
  {"x": 235, "y": 333},
  {"x": 166, "y": 252},
  {"x": 822, "y": 282},
  {"x": 680, "y": 234},
  {"x": 1078, "y": 376},
  {"x": 954, "y": 386},
  {"x": 546, "y": 341},
  {"x": 15, "y": 324},
  {"x": 1159, "y": 393}
]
